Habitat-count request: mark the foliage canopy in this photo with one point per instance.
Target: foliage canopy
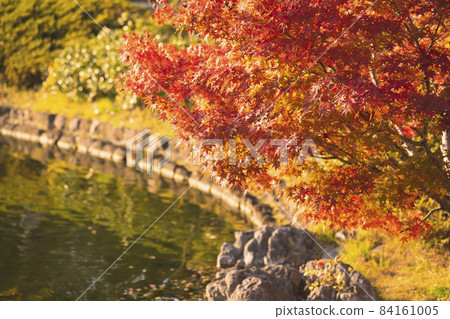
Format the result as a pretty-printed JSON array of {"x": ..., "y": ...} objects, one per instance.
[{"x": 367, "y": 82}]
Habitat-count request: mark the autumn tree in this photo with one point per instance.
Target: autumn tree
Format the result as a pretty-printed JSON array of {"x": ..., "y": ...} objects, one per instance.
[{"x": 367, "y": 81}]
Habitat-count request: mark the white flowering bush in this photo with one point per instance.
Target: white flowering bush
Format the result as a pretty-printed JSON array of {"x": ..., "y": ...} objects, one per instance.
[
  {"x": 88, "y": 69},
  {"x": 33, "y": 32}
]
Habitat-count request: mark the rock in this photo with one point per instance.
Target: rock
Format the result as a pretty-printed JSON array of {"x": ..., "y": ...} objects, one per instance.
[
  {"x": 262, "y": 236},
  {"x": 100, "y": 130},
  {"x": 263, "y": 208},
  {"x": 127, "y": 134},
  {"x": 360, "y": 287},
  {"x": 256, "y": 248},
  {"x": 228, "y": 256},
  {"x": 66, "y": 142},
  {"x": 264, "y": 214},
  {"x": 231, "y": 198},
  {"x": 250, "y": 199},
  {"x": 41, "y": 119},
  {"x": 277, "y": 283},
  {"x": 221, "y": 274},
  {"x": 216, "y": 191},
  {"x": 74, "y": 124},
  {"x": 84, "y": 126},
  {"x": 94, "y": 129},
  {"x": 83, "y": 144},
  {"x": 178, "y": 152},
  {"x": 4, "y": 119},
  {"x": 18, "y": 116},
  {"x": 291, "y": 246},
  {"x": 201, "y": 183},
  {"x": 268, "y": 219},
  {"x": 118, "y": 155},
  {"x": 59, "y": 122},
  {"x": 118, "y": 136},
  {"x": 150, "y": 167},
  {"x": 217, "y": 291},
  {"x": 260, "y": 214},
  {"x": 269, "y": 245},
  {"x": 323, "y": 293},
  {"x": 241, "y": 238},
  {"x": 96, "y": 148},
  {"x": 240, "y": 264},
  {"x": 344, "y": 234},
  {"x": 167, "y": 170},
  {"x": 107, "y": 151},
  {"x": 181, "y": 174},
  {"x": 331, "y": 253},
  {"x": 107, "y": 131},
  {"x": 336, "y": 281},
  {"x": 27, "y": 133},
  {"x": 4, "y": 110},
  {"x": 252, "y": 254},
  {"x": 8, "y": 129}
]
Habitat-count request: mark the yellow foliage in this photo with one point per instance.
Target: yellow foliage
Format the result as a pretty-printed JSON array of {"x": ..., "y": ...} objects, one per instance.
[{"x": 400, "y": 271}]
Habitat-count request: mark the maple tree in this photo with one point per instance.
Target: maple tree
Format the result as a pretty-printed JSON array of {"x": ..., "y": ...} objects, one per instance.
[{"x": 367, "y": 81}]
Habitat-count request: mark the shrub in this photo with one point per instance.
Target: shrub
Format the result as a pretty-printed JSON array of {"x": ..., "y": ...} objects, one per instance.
[
  {"x": 88, "y": 69},
  {"x": 34, "y": 31}
]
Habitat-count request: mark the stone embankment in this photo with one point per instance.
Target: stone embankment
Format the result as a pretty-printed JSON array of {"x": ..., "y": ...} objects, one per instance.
[
  {"x": 280, "y": 263},
  {"x": 102, "y": 140}
]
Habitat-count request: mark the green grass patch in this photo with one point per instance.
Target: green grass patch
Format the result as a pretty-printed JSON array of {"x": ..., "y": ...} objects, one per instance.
[{"x": 441, "y": 292}]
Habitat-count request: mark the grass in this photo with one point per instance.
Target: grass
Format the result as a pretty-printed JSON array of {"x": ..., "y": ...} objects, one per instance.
[
  {"x": 414, "y": 270},
  {"x": 323, "y": 233},
  {"x": 104, "y": 110}
]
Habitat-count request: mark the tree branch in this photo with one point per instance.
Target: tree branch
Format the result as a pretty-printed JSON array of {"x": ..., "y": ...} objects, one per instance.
[{"x": 431, "y": 212}]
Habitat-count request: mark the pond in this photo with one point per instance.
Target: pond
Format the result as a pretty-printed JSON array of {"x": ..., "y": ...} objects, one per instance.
[{"x": 63, "y": 225}]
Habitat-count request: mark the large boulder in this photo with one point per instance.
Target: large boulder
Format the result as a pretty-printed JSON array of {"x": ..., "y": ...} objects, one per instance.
[
  {"x": 228, "y": 256},
  {"x": 255, "y": 250},
  {"x": 284, "y": 245},
  {"x": 328, "y": 280},
  {"x": 274, "y": 282},
  {"x": 291, "y": 246}
]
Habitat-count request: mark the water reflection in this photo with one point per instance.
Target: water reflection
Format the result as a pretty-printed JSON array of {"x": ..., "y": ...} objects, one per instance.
[{"x": 61, "y": 226}]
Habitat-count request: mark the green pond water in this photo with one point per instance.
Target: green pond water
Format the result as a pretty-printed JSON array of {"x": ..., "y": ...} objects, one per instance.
[{"x": 62, "y": 226}]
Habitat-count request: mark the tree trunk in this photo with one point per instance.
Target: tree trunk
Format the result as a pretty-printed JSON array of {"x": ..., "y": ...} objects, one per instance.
[
  {"x": 445, "y": 203},
  {"x": 444, "y": 149}
]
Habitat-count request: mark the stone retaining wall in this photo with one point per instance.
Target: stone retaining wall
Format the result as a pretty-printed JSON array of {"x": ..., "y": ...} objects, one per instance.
[
  {"x": 101, "y": 140},
  {"x": 128, "y": 176}
]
